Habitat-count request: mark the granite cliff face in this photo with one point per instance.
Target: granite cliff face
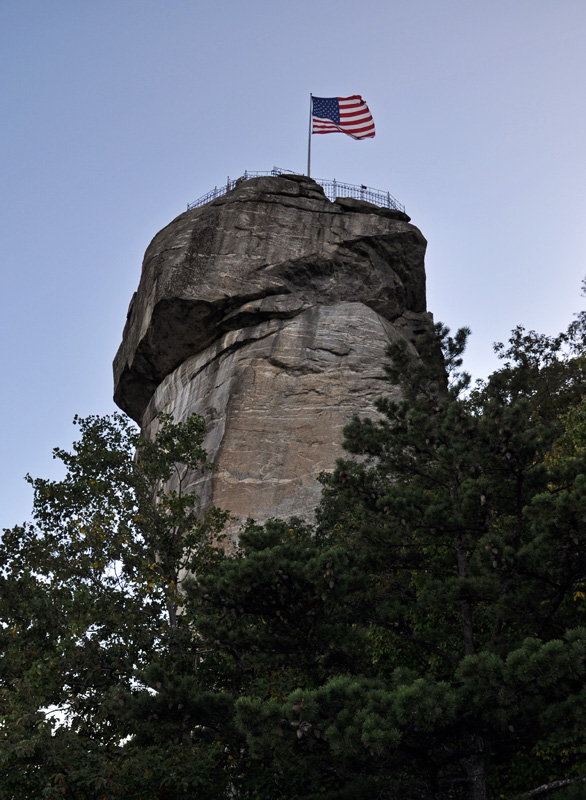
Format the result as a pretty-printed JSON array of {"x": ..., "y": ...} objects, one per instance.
[{"x": 268, "y": 312}]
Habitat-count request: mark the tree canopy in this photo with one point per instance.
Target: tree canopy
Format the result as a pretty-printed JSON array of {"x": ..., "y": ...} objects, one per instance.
[{"x": 425, "y": 639}]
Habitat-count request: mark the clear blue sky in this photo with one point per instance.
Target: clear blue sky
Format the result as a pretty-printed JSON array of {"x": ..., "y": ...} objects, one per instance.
[{"x": 117, "y": 113}]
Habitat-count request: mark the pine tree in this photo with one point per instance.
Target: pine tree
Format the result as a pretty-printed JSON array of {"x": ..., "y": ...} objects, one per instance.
[
  {"x": 465, "y": 513},
  {"x": 469, "y": 506}
]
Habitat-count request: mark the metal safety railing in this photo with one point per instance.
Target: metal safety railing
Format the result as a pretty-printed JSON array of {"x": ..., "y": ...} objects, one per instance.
[{"x": 332, "y": 190}]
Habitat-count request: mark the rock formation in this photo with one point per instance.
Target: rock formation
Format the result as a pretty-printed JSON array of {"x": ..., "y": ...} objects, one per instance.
[{"x": 268, "y": 312}]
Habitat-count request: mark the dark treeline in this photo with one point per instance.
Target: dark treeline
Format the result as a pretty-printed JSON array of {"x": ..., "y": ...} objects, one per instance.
[{"x": 425, "y": 639}]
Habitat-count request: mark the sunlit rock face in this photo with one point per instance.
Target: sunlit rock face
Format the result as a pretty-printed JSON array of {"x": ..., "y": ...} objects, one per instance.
[{"x": 268, "y": 312}]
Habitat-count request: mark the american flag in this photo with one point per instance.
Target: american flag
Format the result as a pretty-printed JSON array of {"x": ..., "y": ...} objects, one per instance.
[{"x": 348, "y": 115}]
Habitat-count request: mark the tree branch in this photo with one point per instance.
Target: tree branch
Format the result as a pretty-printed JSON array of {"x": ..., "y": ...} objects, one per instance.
[{"x": 546, "y": 788}]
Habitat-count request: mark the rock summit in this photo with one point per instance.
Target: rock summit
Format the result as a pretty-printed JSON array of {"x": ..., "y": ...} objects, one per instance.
[{"x": 268, "y": 312}]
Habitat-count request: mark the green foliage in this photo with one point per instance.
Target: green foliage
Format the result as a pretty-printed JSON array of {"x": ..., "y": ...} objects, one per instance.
[
  {"x": 469, "y": 504},
  {"x": 426, "y": 640},
  {"x": 98, "y": 697}
]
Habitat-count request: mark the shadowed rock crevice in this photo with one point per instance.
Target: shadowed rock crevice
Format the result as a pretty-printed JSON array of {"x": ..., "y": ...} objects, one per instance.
[
  {"x": 179, "y": 328},
  {"x": 268, "y": 311}
]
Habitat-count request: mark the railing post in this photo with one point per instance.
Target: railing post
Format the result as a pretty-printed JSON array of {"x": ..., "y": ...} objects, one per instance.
[{"x": 334, "y": 188}]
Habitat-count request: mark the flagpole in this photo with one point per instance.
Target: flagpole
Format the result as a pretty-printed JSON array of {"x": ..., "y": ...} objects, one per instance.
[{"x": 309, "y": 137}]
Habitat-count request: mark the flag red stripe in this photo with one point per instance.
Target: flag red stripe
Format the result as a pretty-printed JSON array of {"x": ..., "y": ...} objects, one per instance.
[
  {"x": 360, "y": 133},
  {"x": 354, "y": 125},
  {"x": 357, "y": 123},
  {"x": 362, "y": 112}
]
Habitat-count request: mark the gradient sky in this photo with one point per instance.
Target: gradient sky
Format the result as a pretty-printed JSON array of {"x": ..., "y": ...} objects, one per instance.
[{"x": 117, "y": 113}]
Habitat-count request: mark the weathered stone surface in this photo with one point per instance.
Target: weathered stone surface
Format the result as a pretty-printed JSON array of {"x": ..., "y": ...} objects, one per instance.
[
  {"x": 268, "y": 311},
  {"x": 268, "y": 237}
]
